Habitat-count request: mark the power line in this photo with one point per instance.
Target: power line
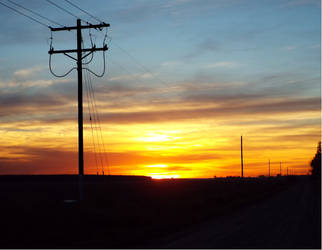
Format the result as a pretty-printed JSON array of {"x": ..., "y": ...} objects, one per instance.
[
  {"x": 89, "y": 106},
  {"x": 35, "y": 13},
  {"x": 74, "y": 5},
  {"x": 104, "y": 66},
  {"x": 79, "y": 50},
  {"x": 133, "y": 58},
  {"x": 99, "y": 125},
  {"x": 93, "y": 113},
  {"x": 20, "y": 13},
  {"x": 54, "y": 74},
  {"x": 138, "y": 63},
  {"x": 100, "y": 150},
  {"x": 63, "y": 9}
]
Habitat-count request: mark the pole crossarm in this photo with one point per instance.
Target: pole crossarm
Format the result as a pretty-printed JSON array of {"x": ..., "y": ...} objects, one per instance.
[
  {"x": 90, "y": 26},
  {"x": 93, "y": 49}
]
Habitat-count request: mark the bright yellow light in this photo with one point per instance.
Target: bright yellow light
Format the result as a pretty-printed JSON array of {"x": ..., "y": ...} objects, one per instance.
[
  {"x": 175, "y": 149},
  {"x": 161, "y": 174},
  {"x": 157, "y": 166},
  {"x": 158, "y": 136},
  {"x": 164, "y": 176},
  {"x": 152, "y": 137}
]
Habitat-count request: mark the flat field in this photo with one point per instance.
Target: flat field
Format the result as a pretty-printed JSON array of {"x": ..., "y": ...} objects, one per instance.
[{"x": 120, "y": 212}]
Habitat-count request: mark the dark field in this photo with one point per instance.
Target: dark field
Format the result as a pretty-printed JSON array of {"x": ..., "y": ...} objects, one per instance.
[{"x": 121, "y": 212}]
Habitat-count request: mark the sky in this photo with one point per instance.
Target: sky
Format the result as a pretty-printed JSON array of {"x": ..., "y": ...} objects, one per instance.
[{"x": 184, "y": 80}]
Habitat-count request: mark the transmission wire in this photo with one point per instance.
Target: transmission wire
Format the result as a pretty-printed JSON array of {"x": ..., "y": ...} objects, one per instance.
[
  {"x": 63, "y": 9},
  {"x": 105, "y": 157},
  {"x": 95, "y": 121},
  {"x": 50, "y": 55},
  {"x": 90, "y": 118},
  {"x": 147, "y": 70},
  {"x": 95, "y": 110},
  {"x": 35, "y": 13},
  {"x": 31, "y": 18},
  {"x": 104, "y": 63},
  {"x": 104, "y": 68},
  {"x": 92, "y": 44},
  {"x": 84, "y": 11},
  {"x": 138, "y": 63},
  {"x": 53, "y": 73},
  {"x": 87, "y": 83}
]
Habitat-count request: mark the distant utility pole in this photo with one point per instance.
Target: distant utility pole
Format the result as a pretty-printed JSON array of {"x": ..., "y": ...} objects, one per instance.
[
  {"x": 241, "y": 156},
  {"x": 280, "y": 168},
  {"x": 79, "y": 59},
  {"x": 287, "y": 171},
  {"x": 269, "y": 167}
]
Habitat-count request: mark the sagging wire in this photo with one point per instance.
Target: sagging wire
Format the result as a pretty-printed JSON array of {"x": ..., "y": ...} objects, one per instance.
[
  {"x": 105, "y": 36},
  {"x": 91, "y": 110},
  {"x": 23, "y": 14},
  {"x": 63, "y": 9},
  {"x": 105, "y": 157},
  {"x": 92, "y": 45},
  {"x": 104, "y": 64},
  {"x": 93, "y": 117},
  {"x": 101, "y": 146},
  {"x": 51, "y": 71},
  {"x": 83, "y": 11},
  {"x": 101, "y": 158},
  {"x": 97, "y": 121},
  {"x": 100, "y": 153},
  {"x": 98, "y": 75},
  {"x": 50, "y": 68},
  {"x": 90, "y": 119},
  {"x": 35, "y": 13}
]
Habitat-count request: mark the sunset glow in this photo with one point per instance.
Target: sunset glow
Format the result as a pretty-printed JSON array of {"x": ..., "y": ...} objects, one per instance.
[
  {"x": 164, "y": 176},
  {"x": 196, "y": 84}
]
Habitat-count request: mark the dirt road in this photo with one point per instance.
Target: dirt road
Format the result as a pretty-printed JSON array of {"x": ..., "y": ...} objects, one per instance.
[{"x": 291, "y": 219}]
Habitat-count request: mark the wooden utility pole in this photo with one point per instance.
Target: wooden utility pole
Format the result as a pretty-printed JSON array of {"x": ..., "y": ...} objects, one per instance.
[
  {"x": 241, "y": 156},
  {"x": 79, "y": 59}
]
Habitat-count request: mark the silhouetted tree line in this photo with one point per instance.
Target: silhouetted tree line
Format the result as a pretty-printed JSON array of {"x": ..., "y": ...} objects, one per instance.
[{"x": 316, "y": 163}]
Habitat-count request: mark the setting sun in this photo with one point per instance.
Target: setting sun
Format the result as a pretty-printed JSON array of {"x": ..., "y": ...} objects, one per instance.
[
  {"x": 157, "y": 137},
  {"x": 182, "y": 114},
  {"x": 164, "y": 176},
  {"x": 157, "y": 166},
  {"x": 165, "y": 124}
]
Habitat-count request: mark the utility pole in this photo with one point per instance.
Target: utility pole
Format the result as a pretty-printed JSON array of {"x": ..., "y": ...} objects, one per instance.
[
  {"x": 269, "y": 167},
  {"x": 280, "y": 168},
  {"x": 287, "y": 171},
  {"x": 241, "y": 156},
  {"x": 79, "y": 59}
]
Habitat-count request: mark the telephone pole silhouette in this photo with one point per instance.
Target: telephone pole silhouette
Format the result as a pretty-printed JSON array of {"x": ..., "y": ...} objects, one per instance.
[
  {"x": 79, "y": 27},
  {"x": 241, "y": 156},
  {"x": 269, "y": 167},
  {"x": 280, "y": 168}
]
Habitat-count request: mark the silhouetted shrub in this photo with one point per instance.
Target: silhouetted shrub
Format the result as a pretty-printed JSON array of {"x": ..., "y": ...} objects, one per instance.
[{"x": 316, "y": 163}]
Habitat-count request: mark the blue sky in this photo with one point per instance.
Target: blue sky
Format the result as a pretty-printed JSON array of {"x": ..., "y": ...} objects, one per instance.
[
  {"x": 248, "y": 57},
  {"x": 253, "y": 37}
]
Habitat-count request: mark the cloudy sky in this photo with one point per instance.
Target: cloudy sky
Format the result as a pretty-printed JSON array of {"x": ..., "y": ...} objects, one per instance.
[{"x": 185, "y": 79}]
